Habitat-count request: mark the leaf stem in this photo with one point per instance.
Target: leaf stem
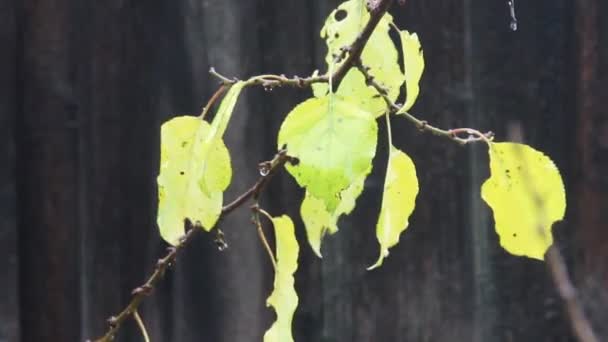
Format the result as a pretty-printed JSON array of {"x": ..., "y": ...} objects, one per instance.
[
  {"x": 141, "y": 325},
  {"x": 389, "y": 132},
  {"x": 256, "y": 218},
  {"x": 212, "y": 100}
]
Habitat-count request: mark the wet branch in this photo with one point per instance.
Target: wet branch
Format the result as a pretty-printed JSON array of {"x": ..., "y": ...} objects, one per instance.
[
  {"x": 269, "y": 168},
  {"x": 422, "y": 125},
  {"x": 350, "y": 54}
]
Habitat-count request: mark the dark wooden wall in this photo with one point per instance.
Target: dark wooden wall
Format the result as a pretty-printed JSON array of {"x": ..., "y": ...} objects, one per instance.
[{"x": 86, "y": 85}]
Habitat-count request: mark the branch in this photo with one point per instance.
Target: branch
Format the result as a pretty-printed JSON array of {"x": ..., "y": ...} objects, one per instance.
[
  {"x": 377, "y": 9},
  {"x": 578, "y": 319},
  {"x": 452, "y": 134},
  {"x": 270, "y": 81},
  {"x": 267, "y": 169},
  {"x": 350, "y": 54}
]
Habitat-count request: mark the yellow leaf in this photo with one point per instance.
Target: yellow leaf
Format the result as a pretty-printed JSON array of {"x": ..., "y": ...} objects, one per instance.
[
  {"x": 186, "y": 146},
  {"x": 398, "y": 201},
  {"x": 319, "y": 221},
  {"x": 413, "y": 66},
  {"x": 341, "y": 29},
  {"x": 194, "y": 169},
  {"x": 526, "y": 194},
  {"x": 284, "y": 298},
  {"x": 320, "y": 133}
]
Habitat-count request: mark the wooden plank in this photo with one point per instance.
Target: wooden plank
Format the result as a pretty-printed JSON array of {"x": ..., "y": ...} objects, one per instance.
[
  {"x": 520, "y": 83},
  {"x": 420, "y": 293},
  {"x": 9, "y": 302},
  {"x": 225, "y": 288},
  {"x": 46, "y": 172},
  {"x": 590, "y": 200}
]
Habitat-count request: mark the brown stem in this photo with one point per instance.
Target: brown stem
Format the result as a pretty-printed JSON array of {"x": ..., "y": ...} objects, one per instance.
[
  {"x": 377, "y": 9},
  {"x": 256, "y": 220},
  {"x": 422, "y": 125},
  {"x": 566, "y": 290},
  {"x": 212, "y": 100},
  {"x": 352, "y": 53},
  {"x": 143, "y": 291}
]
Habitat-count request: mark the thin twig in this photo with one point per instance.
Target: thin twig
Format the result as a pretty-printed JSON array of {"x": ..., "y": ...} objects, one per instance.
[
  {"x": 212, "y": 100},
  {"x": 350, "y": 54},
  {"x": 377, "y": 9},
  {"x": 256, "y": 220},
  {"x": 143, "y": 291},
  {"x": 422, "y": 125},
  {"x": 567, "y": 292},
  {"x": 141, "y": 325},
  {"x": 270, "y": 81}
]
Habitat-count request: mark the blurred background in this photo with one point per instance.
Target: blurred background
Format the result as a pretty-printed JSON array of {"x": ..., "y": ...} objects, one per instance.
[{"x": 86, "y": 85}]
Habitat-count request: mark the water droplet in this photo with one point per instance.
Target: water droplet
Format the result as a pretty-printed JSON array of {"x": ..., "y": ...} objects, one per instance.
[
  {"x": 264, "y": 170},
  {"x": 222, "y": 246},
  {"x": 513, "y": 23},
  {"x": 220, "y": 242}
]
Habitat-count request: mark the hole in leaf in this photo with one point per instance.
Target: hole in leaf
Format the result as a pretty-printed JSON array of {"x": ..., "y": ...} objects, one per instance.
[{"x": 340, "y": 15}]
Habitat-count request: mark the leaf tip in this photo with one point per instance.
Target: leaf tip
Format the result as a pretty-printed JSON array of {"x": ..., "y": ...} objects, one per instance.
[{"x": 383, "y": 254}]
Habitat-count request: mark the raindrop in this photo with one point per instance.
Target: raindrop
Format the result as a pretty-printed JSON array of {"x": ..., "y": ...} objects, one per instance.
[
  {"x": 222, "y": 246},
  {"x": 220, "y": 242},
  {"x": 264, "y": 169},
  {"x": 513, "y": 23}
]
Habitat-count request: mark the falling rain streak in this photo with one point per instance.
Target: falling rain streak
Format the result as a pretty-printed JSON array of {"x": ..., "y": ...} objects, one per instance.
[{"x": 513, "y": 23}]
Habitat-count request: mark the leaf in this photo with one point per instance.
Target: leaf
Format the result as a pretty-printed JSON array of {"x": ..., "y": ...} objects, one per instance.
[
  {"x": 398, "y": 201},
  {"x": 319, "y": 221},
  {"x": 214, "y": 179},
  {"x": 334, "y": 141},
  {"x": 194, "y": 170},
  {"x": 526, "y": 194},
  {"x": 380, "y": 55},
  {"x": 413, "y": 66},
  {"x": 185, "y": 144},
  {"x": 224, "y": 112},
  {"x": 284, "y": 298}
]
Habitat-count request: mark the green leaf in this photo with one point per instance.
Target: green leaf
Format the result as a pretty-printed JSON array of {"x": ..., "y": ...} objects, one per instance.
[
  {"x": 214, "y": 179},
  {"x": 194, "y": 170},
  {"x": 380, "y": 55},
  {"x": 224, "y": 112},
  {"x": 319, "y": 221},
  {"x": 186, "y": 142},
  {"x": 335, "y": 142},
  {"x": 526, "y": 194},
  {"x": 398, "y": 201},
  {"x": 413, "y": 66},
  {"x": 284, "y": 298}
]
